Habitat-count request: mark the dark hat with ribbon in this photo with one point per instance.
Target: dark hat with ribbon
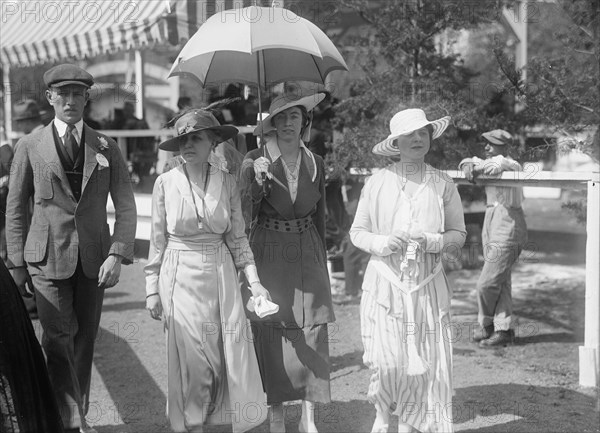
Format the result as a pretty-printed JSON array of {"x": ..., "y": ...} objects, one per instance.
[
  {"x": 197, "y": 120},
  {"x": 27, "y": 109}
]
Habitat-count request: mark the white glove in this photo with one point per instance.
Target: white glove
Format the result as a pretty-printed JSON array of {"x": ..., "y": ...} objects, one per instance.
[{"x": 261, "y": 166}]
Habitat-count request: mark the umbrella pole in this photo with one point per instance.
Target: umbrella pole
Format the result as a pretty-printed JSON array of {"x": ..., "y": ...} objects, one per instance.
[{"x": 260, "y": 113}]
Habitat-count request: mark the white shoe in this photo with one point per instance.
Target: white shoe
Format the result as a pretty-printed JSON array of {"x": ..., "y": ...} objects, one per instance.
[{"x": 87, "y": 430}]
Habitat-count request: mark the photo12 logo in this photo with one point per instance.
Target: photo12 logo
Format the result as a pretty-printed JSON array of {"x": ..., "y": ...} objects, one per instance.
[{"x": 91, "y": 12}]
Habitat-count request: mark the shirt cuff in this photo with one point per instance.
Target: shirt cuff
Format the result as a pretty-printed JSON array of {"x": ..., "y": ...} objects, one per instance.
[{"x": 380, "y": 246}]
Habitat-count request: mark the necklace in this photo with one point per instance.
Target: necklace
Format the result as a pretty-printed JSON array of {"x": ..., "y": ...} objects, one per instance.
[{"x": 192, "y": 192}]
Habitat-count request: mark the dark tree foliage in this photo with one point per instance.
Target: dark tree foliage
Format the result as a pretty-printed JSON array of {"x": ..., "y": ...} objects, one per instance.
[{"x": 409, "y": 62}]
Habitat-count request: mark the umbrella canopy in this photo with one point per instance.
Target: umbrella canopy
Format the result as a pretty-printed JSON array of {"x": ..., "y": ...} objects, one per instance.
[{"x": 258, "y": 46}]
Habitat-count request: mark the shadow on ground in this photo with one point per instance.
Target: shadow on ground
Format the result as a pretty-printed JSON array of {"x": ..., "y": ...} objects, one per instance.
[{"x": 522, "y": 408}]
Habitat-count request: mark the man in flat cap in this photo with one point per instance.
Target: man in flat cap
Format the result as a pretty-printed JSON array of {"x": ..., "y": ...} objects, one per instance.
[
  {"x": 69, "y": 169},
  {"x": 504, "y": 235}
]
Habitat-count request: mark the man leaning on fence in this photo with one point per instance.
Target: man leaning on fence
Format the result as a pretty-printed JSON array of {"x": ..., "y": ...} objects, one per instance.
[
  {"x": 69, "y": 169},
  {"x": 504, "y": 235}
]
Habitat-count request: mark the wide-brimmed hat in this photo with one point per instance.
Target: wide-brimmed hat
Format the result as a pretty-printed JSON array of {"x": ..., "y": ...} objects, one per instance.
[
  {"x": 404, "y": 122},
  {"x": 282, "y": 103},
  {"x": 193, "y": 121},
  {"x": 65, "y": 74},
  {"x": 498, "y": 137},
  {"x": 27, "y": 109}
]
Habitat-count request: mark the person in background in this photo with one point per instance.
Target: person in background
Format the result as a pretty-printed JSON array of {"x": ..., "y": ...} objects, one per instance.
[
  {"x": 6, "y": 157},
  {"x": 184, "y": 103},
  {"x": 68, "y": 249},
  {"x": 27, "y": 117},
  {"x": 409, "y": 214},
  {"x": 504, "y": 234},
  {"x": 197, "y": 242},
  {"x": 287, "y": 236},
  {"x": 27, "y": 120}
]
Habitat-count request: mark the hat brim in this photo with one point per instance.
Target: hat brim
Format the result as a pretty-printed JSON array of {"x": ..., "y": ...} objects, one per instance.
[
  {"x": 225, "y": 132},
  {"x": 28, "y": 117},
  {"x": 308, "y": 102},
  {"x": 387, "y": 148},
  {"x": 70, "y": 82},
  {"x": 495, "y": 141}
]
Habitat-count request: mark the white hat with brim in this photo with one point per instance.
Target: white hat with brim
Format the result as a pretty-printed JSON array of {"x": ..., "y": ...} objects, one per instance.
[
  {"x": 403, "y": 123},
  {"x": 282, "y": 103},
  {"x": 194, "y": 121}
]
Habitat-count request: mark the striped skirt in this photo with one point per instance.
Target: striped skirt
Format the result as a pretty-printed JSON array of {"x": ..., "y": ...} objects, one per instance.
[{"x": 424, "y": 401}]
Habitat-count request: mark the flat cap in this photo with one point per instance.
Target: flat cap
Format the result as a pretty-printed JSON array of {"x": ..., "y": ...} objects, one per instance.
[
  {"x": 499, "y": 137},
  {"x": 27, "y": 109},
  {"x": 62, "y": 75}
]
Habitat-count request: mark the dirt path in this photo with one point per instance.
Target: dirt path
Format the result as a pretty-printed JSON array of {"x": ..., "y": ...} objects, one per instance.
[{"x": 529, "y": 387}]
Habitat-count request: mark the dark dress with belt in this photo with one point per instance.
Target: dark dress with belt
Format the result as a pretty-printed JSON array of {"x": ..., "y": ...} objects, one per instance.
[
  {"x": 288, "y": 242},
  {"x": 27, "y": 403}
]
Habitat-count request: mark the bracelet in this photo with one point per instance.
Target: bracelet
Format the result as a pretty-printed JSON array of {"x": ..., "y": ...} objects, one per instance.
[{"x": 151, "y": 294}]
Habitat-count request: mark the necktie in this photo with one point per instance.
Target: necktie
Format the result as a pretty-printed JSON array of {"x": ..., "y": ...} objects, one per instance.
[{"x": 71, "y": 143}]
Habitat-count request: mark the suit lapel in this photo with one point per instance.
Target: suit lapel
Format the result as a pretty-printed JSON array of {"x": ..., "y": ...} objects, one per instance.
[
  {"x": 280, "y": 198},
  {"x": 46, "y": 148},
  {"x": 308, "y": 191},
  {"x": 91, "y": 148}
]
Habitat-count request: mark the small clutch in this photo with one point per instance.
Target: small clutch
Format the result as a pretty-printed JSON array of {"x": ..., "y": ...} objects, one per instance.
[{"x": 261, "y": 306}]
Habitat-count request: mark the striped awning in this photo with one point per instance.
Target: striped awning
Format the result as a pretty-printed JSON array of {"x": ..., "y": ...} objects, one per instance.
[{"x": 39, "y": 31}]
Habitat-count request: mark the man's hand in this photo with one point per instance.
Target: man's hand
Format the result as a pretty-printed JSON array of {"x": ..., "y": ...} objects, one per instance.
[
  {"x": 110, "y": 271},
  {"x": 20, "y": 275},
  {"x": 470, "y": 172}
]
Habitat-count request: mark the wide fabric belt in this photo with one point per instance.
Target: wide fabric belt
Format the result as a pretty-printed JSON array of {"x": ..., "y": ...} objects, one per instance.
[
  {"x": 285, "y": 226},
  {"x": 200, "y": 242}
]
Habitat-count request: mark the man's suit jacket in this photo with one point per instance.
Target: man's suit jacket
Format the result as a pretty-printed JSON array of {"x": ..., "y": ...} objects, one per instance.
[{"x": 61, "y": 227}]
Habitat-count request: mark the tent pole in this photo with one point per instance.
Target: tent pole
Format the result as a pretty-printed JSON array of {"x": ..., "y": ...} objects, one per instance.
[
  {"x": 139, "y": 84},
  {"x": 6, "y": 84}
]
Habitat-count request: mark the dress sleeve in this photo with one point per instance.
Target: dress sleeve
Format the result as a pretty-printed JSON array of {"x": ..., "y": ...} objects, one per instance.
[
  {"x": 236, "y": 238},
  {"x": 158, "y": 237},
  {"x": 361, "y": 233},
  {"x": 251, "y": 193},
  {"x": 320, "y": 214}
]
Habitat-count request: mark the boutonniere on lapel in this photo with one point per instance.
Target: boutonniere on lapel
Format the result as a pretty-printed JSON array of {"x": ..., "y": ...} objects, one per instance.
[
  {"x": 103, "y": 144},
  {"x": 101, "y": 159}
]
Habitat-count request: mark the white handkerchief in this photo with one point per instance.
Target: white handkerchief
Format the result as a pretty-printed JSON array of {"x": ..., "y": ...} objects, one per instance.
[{"x": 262, "y": 306}]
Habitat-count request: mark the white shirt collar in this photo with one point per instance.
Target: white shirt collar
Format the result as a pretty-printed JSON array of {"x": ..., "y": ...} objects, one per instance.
[
  {"x": 275, "y": 154},
  {"x": 61, "y": 128}
]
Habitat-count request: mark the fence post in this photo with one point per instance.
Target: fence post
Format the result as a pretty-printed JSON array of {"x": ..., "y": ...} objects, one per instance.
[{"x": 589, "y": 359}]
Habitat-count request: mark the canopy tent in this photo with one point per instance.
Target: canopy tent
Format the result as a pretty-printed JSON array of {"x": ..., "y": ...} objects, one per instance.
[{"x": 34, "y": 32}]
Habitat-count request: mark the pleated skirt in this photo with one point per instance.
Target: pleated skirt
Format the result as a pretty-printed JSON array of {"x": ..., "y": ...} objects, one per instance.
[
  {"x": 424, "y": 401},
  {"x": 294, "y": 362}
]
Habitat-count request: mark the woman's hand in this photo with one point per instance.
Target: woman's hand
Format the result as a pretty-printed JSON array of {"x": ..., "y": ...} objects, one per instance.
[
  {"x": 418, "y": 236},
  {"x": 154, "y": 306},
  {"x": 397, "y": 240},
  {"x": 258, "y": 289},
  {"x": 261, "y": 169}
]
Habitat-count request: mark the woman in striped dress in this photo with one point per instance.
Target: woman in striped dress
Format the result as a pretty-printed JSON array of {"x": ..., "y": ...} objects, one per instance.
[{"x": 408, "y": 215}]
